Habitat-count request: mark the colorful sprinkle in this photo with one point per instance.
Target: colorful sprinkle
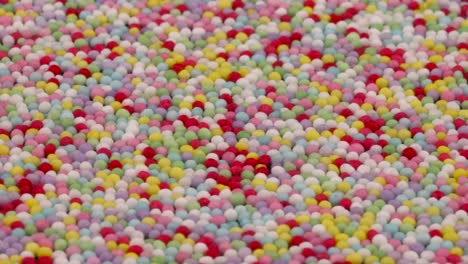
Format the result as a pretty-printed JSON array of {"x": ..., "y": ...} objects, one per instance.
[{"x": 233, "y": 131}]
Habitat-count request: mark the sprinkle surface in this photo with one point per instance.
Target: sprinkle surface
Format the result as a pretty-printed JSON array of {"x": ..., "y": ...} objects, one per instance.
[{"x": 244, "y": 131}]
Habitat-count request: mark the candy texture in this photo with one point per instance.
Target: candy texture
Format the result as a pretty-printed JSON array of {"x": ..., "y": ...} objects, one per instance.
[{"x": 233, "y": 131}]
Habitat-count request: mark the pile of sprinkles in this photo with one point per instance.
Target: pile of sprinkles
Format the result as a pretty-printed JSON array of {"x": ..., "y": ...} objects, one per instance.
[{"x": 244, "y": 131}]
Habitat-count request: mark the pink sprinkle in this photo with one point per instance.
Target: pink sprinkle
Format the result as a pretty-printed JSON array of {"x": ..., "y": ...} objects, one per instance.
[
  {"x": 361, "y": 193},
  {"x": 182, "y": 256},
  {"x": 93, "y": 260},
  {"x": 73, "y": 250},
  {"x": 218, "y": 220}
]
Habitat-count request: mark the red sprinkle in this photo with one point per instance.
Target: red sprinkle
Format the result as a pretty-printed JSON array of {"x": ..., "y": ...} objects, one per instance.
[
  {"x": 149, "y": 152},
  {"x": 55, "y": 69},
  {"x": 409, "y": 153},
  {"x": 371, "y": 234},
  {"x": 135, "y": 249},
  {"x": 114, "y": 164},
  {"x": 29, "y": 260},
  {"x": 435, "y": 232},
  {"x": 346, "y": 203},
  {"x": 438, "y": 194},
  {"x": 234, "y": 76},
  {"x": 45, "y": 167}
]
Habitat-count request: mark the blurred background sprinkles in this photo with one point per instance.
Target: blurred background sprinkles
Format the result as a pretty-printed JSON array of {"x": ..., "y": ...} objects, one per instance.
[{"x": 242, "y": 131}]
